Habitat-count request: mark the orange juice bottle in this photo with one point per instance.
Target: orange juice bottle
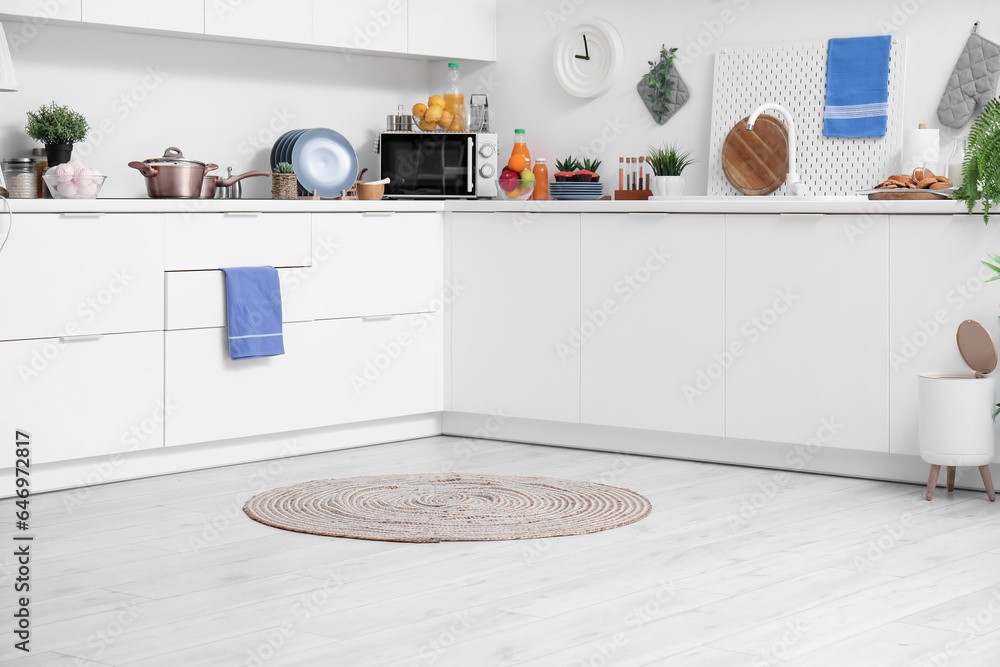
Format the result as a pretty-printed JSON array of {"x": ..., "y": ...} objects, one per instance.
[
  {"x": 454, "y": 101},
  {"x": 541, "y": 173},
  {"x": 521, "y": 148}
]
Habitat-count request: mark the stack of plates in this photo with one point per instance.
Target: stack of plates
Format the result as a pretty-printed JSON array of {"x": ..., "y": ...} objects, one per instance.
[
  {"x": 324, "y": 160},
  {"x": 573, "y": 190}
]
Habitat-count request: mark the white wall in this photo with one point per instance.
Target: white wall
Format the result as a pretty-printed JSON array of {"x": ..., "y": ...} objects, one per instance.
[
  {"x": 219, "y": 102},
  {"x": 525, "y": 92}
]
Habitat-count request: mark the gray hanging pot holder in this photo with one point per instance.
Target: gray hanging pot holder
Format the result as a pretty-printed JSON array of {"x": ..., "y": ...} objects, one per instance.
[
  {"x": 678, "y": 96},
  {"x": 972, "y": 84}
]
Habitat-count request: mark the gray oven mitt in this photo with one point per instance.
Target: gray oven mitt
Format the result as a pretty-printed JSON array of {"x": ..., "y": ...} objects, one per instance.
[
  {"x": 972, "y": 84},
  {"x": 678, "y": 96}
]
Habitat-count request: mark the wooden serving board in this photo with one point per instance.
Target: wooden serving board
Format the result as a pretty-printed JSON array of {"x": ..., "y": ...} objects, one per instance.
[
  {"x": 902, "y": 195},
  {"x": 756, "y": 163}
]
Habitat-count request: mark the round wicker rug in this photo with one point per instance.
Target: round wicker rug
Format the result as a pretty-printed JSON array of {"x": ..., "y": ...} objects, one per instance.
[{"x": 447, "y": 507}]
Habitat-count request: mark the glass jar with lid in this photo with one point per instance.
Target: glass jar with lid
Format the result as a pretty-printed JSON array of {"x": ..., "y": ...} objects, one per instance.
[{"x": 19, "y": 173}]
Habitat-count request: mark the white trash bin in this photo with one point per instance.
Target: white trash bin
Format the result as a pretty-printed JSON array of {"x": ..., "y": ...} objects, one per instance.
[{"x": 956, "y": 428}]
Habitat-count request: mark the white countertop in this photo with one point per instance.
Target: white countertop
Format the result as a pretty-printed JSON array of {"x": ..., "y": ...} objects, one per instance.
[{"x": 694, "y": 204}]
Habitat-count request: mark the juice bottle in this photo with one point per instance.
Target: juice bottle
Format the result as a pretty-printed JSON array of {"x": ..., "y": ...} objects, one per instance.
[
  {"x": 520, "y": 148},
  {"x": 454, "y": 101},
  {"x": 541, "y": 172}
]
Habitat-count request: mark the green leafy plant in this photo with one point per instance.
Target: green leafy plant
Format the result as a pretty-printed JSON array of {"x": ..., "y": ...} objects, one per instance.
[
  {"x": 569, "y": 164},
  {"x": 284, "y": 168},
  {"x": 56, "y": 124},
  {"x": 981, "y": 168},
  {"x": 591, "y": 165},
  {"x": 667, "y": 160},
  {"x": 660, "y": 81}
]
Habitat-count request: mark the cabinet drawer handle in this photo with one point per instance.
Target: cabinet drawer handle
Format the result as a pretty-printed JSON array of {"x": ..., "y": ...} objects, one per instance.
[
  {"x": 91, "y": 214},
  {"x": 376, "y": 318},
  {"x": 80, "y": 339},
  {"x": 243, "y": 214},
  {"x": 377, "y": 214}
]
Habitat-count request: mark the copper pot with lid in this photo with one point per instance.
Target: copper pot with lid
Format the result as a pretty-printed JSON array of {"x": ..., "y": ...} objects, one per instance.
[{"x": 173, "y": 175}]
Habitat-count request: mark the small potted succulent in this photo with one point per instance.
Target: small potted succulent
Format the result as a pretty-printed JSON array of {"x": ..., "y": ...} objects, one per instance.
[
  {"x": 284, "y": 182},
  {"x": 667, "y": 164},
  {"x": 58, "y": 127}
]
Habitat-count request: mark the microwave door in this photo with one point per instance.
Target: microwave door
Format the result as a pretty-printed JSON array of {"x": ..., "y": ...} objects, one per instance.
[{"x": 427, "y": 165}]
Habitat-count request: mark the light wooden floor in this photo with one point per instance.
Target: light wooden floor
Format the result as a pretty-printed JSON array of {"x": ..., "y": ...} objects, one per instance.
[{"x": 736, "y": 566}]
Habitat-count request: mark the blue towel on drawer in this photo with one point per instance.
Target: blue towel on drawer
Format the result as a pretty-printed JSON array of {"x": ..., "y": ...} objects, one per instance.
[
  {"x": 857, "y": 87},
  {"x": 253, "y": 307}
]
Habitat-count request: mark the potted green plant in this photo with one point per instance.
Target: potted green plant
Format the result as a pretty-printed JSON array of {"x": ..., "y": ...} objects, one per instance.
[
  {"x": 284, "y": 182},
  {"x": 667, "y": 164},
  {"x": 981, "y": 166},
  {"x": 58, "y": 127}
]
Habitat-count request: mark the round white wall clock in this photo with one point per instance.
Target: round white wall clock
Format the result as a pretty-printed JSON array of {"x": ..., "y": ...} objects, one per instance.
[{"x": 588, "y": 58}]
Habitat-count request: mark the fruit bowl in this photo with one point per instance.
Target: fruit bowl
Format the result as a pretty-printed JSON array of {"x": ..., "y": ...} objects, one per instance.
[{"x": 516, "y": 189}]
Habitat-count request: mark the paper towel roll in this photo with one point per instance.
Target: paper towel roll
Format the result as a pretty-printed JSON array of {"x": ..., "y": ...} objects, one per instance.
[{"x": 919, "y": 146}]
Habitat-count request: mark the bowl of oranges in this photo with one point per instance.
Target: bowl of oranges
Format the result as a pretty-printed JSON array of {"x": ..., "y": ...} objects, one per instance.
[
  {"x": 439, "y": 115},
  {"x": 516, "y": 182}
]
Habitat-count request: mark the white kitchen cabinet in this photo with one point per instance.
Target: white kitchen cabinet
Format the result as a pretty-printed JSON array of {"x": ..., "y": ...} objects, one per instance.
[
  {"x": 197, "y": 241},
  {"x": 272, "y": 20},
  {"x": 332, "y": 372},
  {"x": 218, "y": 398},
  {"x": 469, "y": 33},
  {"x": 372, "y": 264},
  {"x": 653, "y": 322},
  {"x": 176, "y": 15},
  {"x": 807, "y": 301},
  {"x": 67, "y": 275},
  {"x": 518, "y": 310},
  {"x": 936, "y": 281},
  {"x": 81, "y": 397},
  {"x": 63, "y": 10},
  {"x": 380, "y": 25}
]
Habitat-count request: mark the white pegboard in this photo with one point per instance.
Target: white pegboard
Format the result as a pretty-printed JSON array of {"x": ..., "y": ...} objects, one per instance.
[{"x": 794, "y": 75}]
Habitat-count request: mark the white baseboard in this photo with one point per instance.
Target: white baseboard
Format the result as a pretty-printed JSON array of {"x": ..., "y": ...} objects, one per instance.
[
  {"x": 802, "y": 458},
  {"x": 167, "y": 460}
]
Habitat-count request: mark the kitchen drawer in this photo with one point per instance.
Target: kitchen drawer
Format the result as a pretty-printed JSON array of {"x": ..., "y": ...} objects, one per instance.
[
  {"x": 222, "y": 398},
  {"x": 277, "y": 20},
  {"x": 374, "y": 264},
  {"x": 332, "y": 372},
  {"x": 177, "y": 15},
  {"x": 87, "y": 274},
  {"x": 217, "y": 240},
  {"x": 84, "y": 396},
  {"x": 197, "y": 299}
]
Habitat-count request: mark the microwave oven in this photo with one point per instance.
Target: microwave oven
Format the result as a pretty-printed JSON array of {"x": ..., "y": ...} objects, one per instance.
[{"x": 438, "y": 165}]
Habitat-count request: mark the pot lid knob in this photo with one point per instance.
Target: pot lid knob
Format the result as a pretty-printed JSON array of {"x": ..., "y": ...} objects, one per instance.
[
  {"x": 173, "y": 152},
  {"x": 976, "y": 347}
]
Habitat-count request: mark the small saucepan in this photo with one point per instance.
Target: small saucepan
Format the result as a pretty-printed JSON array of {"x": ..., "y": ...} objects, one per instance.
[
  {"x": 209, "y": 182},
  {"x": 173, "y": 175}
]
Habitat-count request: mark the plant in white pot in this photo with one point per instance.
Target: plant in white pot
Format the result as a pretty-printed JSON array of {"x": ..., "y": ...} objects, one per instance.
[{"x": 667, "y": 164}]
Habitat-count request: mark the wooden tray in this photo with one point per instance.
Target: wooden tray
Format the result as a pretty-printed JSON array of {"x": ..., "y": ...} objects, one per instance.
[
  {"x": 903, "y": 195},
  {"x": 756, "y": 163}
]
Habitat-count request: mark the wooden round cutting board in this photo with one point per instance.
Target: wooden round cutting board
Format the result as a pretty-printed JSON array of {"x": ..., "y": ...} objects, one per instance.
[{"x": 756, "y": 163}]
